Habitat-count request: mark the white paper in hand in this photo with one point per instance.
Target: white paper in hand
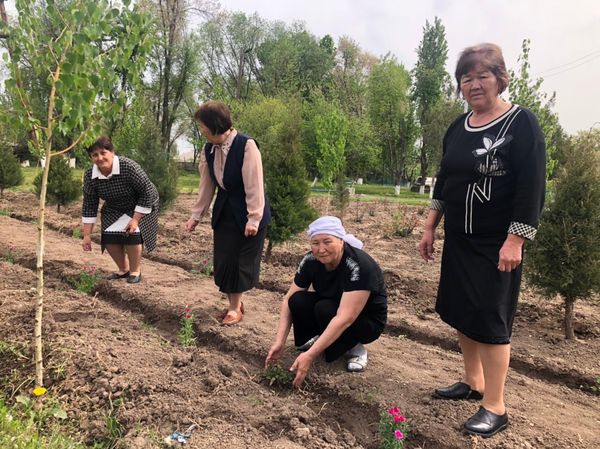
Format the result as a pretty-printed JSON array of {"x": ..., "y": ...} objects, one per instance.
[{"x": 121, "y": 224}]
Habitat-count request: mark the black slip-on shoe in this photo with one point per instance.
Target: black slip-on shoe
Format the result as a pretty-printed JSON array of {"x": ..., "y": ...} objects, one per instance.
[
  {"x": 134, "y": 279},
  {"x": 485, "y": 423},
  {"x": 114, "y": 276},
  {"x": 457, "y": 391}
]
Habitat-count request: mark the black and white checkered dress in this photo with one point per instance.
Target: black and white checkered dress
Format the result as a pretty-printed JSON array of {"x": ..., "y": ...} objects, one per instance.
[{"x": 127, "y": 190}]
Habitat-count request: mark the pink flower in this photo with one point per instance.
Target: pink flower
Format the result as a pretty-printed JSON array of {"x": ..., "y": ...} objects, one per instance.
[
  {"x": 398, "y": 434},
  {"x": 394, "y": 411},
  {"x": 188, "y": 316},
  {"x": 399, "y": 418}
]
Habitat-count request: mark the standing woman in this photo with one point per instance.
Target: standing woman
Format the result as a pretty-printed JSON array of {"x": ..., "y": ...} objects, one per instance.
[
  {"x": 231, "y": 164},
  {"x": 130, "y": 210},
  {"x": 490, "y": 188}
]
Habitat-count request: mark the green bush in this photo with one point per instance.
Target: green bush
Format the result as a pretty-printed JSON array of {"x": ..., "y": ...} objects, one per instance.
[
  {"x": 63, "y": 187},
  {"x": 565, "y": 256},
  {"x": 11, "y": 174},
  {"x": 276, "y": 126},
  {"x": 138, "y": 137}
]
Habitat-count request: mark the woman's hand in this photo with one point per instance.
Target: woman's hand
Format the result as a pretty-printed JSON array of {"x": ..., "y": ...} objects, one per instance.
[
  {"x": 131, "y": 226},
  {"x": 86, "y": 244},
  {"x": 511, "y": 253},
  {"x": 250, "y": 230},
  {"x": 426, "y": 248},
  {"x": 275, "y": 354},
  {"x": 301, "y": 366},
  {"x": 191, "y": 224}
]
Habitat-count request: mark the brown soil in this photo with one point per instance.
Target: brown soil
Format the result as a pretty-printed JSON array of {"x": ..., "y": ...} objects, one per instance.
[{"x": 122, "y": 344}]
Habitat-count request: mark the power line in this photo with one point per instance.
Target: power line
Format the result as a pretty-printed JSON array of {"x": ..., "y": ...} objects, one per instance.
[
  {"x": 573, "y": 67},
  {"x": 593, "y": 55}
]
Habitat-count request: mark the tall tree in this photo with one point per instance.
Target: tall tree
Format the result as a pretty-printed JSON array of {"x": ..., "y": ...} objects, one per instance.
[
  {"x": 527, "y": 92},
  {"x": 293, "y": 61},
  {"x": 350, "y": 77},
  {"x": 174, "y": 61},
  {"x": 391, "y": 115},
  {"x": 79, "y": 46},
  {"x": 430, "y": 76},
  {"x": 228, "y": 52}
]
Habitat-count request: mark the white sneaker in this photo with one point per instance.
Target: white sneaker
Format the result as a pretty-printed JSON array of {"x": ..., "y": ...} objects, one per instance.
[{"x": 357, "y": 364}]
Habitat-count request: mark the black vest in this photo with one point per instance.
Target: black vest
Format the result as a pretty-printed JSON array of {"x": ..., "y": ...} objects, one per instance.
[{"x": 234, "y": 193}]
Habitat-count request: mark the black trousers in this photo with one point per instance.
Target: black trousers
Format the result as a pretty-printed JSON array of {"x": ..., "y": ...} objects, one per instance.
[{"x": 312, "y": 314}]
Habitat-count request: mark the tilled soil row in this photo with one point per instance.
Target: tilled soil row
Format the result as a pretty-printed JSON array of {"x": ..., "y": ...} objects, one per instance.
[
  {"x": 95, "y": 379},
  {"x": 414, "y": 329},
  {"x": 360, "y": 418}
]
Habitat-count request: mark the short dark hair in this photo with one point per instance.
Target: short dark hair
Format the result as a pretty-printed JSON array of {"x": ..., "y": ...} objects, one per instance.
[
  {"x": 104, "y": 143},
  {"x": 215, "y": 115},
  {"x": 487, "y": 54}
]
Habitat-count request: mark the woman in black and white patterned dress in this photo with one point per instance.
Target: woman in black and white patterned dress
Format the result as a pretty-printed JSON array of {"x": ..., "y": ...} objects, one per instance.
[{"x": 130, "y": 211}]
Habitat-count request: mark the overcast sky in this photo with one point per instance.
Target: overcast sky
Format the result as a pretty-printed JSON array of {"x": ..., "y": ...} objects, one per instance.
[{"x": 565, "y": 36}]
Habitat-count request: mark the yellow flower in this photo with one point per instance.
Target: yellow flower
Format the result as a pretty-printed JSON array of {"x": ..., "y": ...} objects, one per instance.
[{"x": 39, "y": 391}]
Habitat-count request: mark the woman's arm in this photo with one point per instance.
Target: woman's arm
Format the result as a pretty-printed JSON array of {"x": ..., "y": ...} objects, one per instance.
[
  {"x": 283, "y": 329},
  {"x": 206, "y": 191},
  {"x": 252, "y": 174},
  {"x": 89, "y": 210},
  {"x": 351, "y": 305},
  {"x": 426, "y": 248}
]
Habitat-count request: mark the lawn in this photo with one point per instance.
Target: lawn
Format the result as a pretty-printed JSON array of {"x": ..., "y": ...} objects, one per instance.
[{"x": 188, "y": 183}]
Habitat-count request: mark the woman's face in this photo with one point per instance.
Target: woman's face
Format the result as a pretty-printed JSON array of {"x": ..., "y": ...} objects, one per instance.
[
  {"x": 326, "y": 248},
  {"x": 479, "y": 88},
  {"x": 103, "y": 159}
]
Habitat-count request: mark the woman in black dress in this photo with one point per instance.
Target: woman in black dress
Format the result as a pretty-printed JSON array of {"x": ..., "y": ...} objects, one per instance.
[
  {"x": 130, "y": 210},
  {"x": 348, "y": 307},
  {"x": 490, "y": 188},
  {"x": 231, "y": 164}
]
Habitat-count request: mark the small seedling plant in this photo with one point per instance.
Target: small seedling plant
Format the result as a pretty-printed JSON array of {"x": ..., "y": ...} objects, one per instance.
[
  {"x": 87, "y": 279},
  {"x": 10, "y": 253},
  {"x": 187, "y": 335},
  {"x": 278, "y": 377},
  {"x": 393, "y": 429}
]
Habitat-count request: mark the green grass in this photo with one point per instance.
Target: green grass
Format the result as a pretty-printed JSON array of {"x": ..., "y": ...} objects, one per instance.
[
  {"x": 188, "y": 183},
  {"x": 18, "y": 431},
  {"x": 29, "y": 174}
]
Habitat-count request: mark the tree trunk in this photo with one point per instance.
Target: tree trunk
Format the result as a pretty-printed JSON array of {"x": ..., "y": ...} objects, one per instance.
[
  {"x": 269, "y": 251},
  {"x": 568, "y": 321},
  {"x": 39, "y": 303}
]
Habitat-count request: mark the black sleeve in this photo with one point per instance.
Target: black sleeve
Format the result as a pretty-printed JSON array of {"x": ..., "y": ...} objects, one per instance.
[
  {"x": 357, "y": 276},
  {"x": 305, "y": 272},
  {"x": 437, "y": 202},
  {"x": 529, "y": 163},
  {"x": 148, "y": 195},
  {"x": 89, "y": 207}
]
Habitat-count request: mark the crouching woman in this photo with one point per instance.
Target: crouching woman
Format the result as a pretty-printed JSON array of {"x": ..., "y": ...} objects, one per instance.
[{"x": 348, "y": 307}]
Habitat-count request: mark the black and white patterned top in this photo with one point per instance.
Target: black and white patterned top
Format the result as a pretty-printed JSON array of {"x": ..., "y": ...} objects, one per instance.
[
  {"x": 125, "y": 191},
  {"x": 492, "y": 177}
]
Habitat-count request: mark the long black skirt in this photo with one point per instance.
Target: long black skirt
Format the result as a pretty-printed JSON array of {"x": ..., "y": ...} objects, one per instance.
[
  {"x": 474, "y": 297},
  {"x": 236, "y": 257}
]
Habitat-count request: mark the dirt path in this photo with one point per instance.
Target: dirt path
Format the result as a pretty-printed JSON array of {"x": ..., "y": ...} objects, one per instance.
[{"x": 401, "y": 371}]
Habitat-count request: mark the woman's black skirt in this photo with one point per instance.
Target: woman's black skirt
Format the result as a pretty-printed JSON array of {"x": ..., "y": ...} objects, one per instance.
[
  {"x": 474, "y": 297},
  {"x": 236, "y": 257},
  {"x": 120, "y": 238}
]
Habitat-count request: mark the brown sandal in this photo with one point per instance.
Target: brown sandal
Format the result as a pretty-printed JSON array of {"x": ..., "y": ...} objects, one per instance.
[
  {"x": 224, "y": 313},
  {"x": 232, "y": 317}
]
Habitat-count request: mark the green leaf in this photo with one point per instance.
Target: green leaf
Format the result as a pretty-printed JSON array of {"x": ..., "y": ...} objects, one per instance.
[{"x": 59, "y": 413}]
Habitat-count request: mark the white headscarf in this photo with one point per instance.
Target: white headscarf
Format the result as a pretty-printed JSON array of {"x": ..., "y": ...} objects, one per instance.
[{"x": 332, "y": 226}]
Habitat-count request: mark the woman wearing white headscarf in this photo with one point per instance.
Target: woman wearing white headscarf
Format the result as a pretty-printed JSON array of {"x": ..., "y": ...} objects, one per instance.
[{"x": 347, "y": 308}]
